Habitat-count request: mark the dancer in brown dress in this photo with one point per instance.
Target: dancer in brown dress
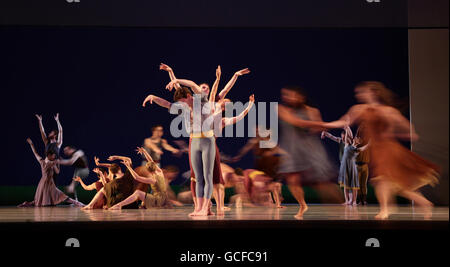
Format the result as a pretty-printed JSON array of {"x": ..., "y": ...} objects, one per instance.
[
  {"x": 398, "y": 170},
  {"x": 47, "y": 194}
]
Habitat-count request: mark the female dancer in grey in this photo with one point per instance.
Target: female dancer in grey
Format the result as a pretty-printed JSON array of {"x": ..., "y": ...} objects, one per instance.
[
  {"x": 47, "y": 194},
  {"x": 306, "y": 159}
]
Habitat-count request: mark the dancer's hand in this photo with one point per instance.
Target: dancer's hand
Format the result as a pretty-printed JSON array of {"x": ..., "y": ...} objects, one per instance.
[
  {"x": 218, "y": 72},
  {"x": 77, "y": 179},
  {"x": 112, "y": 158},
  {"x": 39, "y": 117},
  {"x": 29, "y": 141},
  {"x": 97, "y": 170},
  {"x": 97, "y": 161},
  {"x": 170, "y": 85},
  {"x": 165, "y": 67},
  {"x": 57, "y": 117},
  {"x": 148, "y": 99},
  {"x": 322, "y": 135},
  {"x": 242, "y": 72},
  {"x": 252, "y": 99},
  {"x": 127, "y": 163},
  {"x": 140, "y": 150}
]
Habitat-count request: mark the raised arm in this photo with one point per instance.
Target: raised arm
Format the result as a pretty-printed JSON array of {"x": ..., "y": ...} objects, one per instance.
[
  {"x": 331, "y": 137},
  {"x": 233, "y": 120},
  {"x": 137, "y": 177},
  {"x": 212, "y": 95},
  {"x": 285, "y": 114},
  {"x": 38, "y": 157},
  {"x": 188, "y": 83},
  {"x": 232, "y": 81},
  {"x": 122, "y": 158},
  {"x": 165, "y": 67},
  {"x": 97, "y": 163},
  {"x": 41, "y": 129},
  {"x": 142, "y": 151},
  {"x": 60, "y": 131},
  {"x": 158, "y": 100}
]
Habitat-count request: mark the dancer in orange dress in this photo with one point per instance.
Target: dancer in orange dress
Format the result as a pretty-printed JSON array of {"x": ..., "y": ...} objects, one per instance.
[{"x": 398, "y": 170}]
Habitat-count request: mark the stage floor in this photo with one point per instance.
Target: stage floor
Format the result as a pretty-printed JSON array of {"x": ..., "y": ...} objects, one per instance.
[{"x": 180, "y": 214}]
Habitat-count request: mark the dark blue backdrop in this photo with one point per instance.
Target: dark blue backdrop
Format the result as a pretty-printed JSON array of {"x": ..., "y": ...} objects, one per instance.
[{"x": 96, "y": 78}]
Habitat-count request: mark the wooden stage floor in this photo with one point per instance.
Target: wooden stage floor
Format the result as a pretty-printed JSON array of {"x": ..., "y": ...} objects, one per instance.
[
  {"x": 324, "y": 227},
  {"x": 315, "y": 213}
]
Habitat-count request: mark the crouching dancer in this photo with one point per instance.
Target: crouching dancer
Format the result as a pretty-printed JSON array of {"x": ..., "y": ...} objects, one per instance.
[{"x": 154, "y": 177}]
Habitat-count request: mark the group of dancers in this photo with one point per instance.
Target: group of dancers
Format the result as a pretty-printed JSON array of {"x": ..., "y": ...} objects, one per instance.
[{"x": 299, "y": 159}]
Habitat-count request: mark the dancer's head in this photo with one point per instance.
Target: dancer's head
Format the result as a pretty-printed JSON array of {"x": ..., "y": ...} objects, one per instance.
[
  {"x": 51, "y": 155},
  {"x": 371, "y": 92},
  {"x": 205, "y": 88},
  {"x": 294, "y": 96},
  {"x": 157, "y": 131},
  {"x": 52, "y": 136},
  {"x": 183, "y": 94},
  {"x": 171, "y": 172},
  {"x": 114, "y": 169},
  {"x": 69, "y": 150},
  {"x": 151, "y": 166}
]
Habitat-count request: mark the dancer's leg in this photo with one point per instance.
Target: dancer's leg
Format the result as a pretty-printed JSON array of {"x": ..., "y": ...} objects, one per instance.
[
  {"x": 354, "y": 196},
  {"x": 137, "y": 195},
  {"x": 74, "y": 202},
  {"x": 418, "y": 198},
  {"x": 98, "y": 196},
  {"x": 296, "y": 189},
  {"x": 383, "y": 193},
  {"x": 197, "y": 166},
  {"x": 208, "y": 156}
]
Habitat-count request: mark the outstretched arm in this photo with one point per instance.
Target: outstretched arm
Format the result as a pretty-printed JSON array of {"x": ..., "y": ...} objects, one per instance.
[
  {"x": 97, "y": 163},
  {"x": 72, "y": 160},
  {"x": 122, "y": 158},
  {"x": 142, "y": 151},
  {"x": 195, "y": 88},
  {"x": 158, "y": 100},
  {"x": 331, "y": 137},
  {"x": 137, "y": 177},
  {"x": 232, "y": 81},
  {"x": 60, "y": 131},
  {"x": 244, "y": 150},
  {"x": 41, "y": 129},
  {"x": 38, "y": 157},
  {"x": 285, "y": 114},
  {"x": 165, "y": 67},
  {"x": 168, "y": 147},
  {"x": 233, "y": 120},
  {"x": 85, "y": 187},
  {"x": 212, "y": 95}
]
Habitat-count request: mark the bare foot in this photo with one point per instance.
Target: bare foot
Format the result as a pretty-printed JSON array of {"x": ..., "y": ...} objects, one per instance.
[
  {"x": 88, "y": 207},
  {"x": 203, "y": 213},
  {"x": 281, "y": 207},
  {"x": 354, "y": 204},
  {"x": 302, "y": 210},
  {"x": 194, "y": 213},
  {"x": 382, "y": 215},
  {"x": 115, "y": 207},
  {"x": 226, "y": 208}
]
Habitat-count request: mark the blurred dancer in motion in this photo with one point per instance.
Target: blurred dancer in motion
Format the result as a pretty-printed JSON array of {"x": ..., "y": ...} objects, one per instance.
[
  {"x": 398, "y": 171},
  {"x": 265, "y": 159},
  {"x": 47, "y": 194},
  {"x": 306, "y": 159},
  {"x": 155, "y": 144},
  {"x": 154, "y": 177},
  {"x": 54, "y": 139},
  {"x": 261, "y": 188},
  {"x": 170, "y": 173},
  {"x": 79, "y": 162}
]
